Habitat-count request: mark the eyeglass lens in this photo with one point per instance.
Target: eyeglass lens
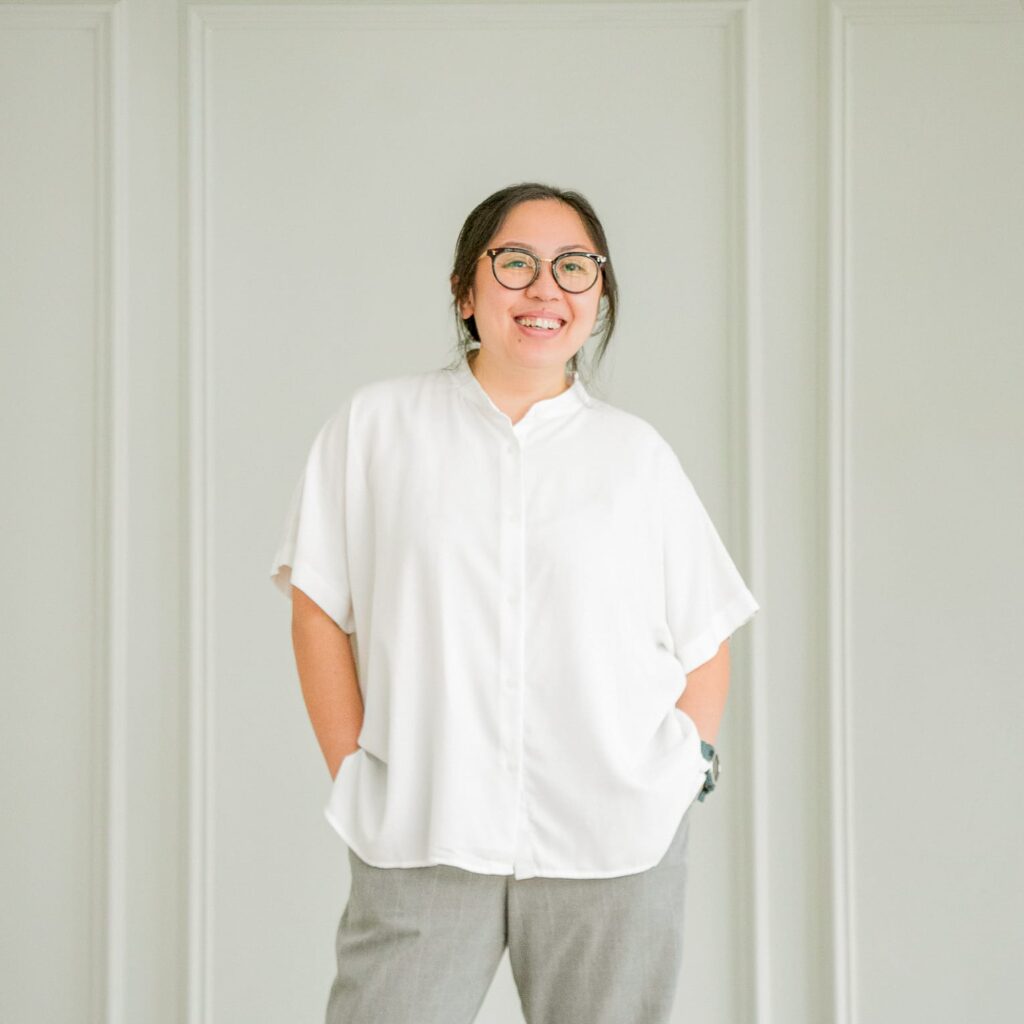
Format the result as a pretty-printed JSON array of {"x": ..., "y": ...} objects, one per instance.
[{"x": 573, "y": 272}]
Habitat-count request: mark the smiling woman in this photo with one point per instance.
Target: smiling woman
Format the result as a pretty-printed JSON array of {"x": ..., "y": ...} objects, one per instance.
[{"x": 532, "y": 579}]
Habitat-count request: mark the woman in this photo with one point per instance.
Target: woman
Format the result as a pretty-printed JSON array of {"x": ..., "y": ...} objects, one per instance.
[{"x": 538, "y": 607}]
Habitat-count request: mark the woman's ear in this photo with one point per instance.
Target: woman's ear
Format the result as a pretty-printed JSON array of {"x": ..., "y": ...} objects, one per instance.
[{"x": 466, "y": 306}]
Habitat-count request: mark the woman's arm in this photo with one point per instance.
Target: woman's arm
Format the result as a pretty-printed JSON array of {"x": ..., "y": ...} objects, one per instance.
[
  {"x": 704, "y": 697},
  {"x": 329, "y": 680}
]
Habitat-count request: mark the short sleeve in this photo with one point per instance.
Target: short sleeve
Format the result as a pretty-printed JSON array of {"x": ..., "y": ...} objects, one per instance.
[
  {"x": 312, "y": 552},
  {"x": 706, "y": 599}
]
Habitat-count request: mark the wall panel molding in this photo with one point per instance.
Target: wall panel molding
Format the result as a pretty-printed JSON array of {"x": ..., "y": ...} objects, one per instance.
[
  {"x": 737, "y": 20},
  {"x": 107, "y": 768},
  {"x": 844, "y": 18}
]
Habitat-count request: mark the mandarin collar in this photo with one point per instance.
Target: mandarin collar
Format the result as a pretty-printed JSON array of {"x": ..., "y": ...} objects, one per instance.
[{"x": 562, "y": 404}]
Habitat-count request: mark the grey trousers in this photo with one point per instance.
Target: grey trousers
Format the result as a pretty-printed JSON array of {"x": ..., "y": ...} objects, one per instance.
[{"x": 422, "y": 945}]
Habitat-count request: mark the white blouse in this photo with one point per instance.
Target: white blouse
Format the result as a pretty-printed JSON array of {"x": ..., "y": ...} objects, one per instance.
[{"x": 526, "y": 600}]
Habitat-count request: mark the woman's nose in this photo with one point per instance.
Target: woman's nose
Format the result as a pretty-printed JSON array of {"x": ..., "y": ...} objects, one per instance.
[{"x": 545, "y": 284}]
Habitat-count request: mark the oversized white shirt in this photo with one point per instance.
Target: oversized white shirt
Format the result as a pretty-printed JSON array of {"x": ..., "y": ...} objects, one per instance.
[{"x": 526, "y": 600}]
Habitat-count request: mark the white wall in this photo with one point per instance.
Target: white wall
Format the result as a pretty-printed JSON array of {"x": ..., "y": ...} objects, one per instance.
[{"x": 816, "y": 216}]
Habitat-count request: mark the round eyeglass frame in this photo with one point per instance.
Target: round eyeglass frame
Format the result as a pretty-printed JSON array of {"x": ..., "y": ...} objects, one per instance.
[{"x": 493, "y": 253}]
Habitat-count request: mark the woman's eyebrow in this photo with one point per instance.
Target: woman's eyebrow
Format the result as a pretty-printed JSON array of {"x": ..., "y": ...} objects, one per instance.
[{"x": 565, "y": 248}]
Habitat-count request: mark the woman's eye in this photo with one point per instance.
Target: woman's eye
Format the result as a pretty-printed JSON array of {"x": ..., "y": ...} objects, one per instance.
[{"x": 572, "y": 268}]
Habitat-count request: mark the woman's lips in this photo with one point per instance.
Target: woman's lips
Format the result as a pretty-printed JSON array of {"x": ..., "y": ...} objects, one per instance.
[{"x": 539, "y": 332}]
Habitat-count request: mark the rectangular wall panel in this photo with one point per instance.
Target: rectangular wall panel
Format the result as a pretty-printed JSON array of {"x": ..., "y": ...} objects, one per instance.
[
  {"x": 334, "y": 153},
  {"x": 54, "y": 340},
  {"x": 932, "y": 325}
]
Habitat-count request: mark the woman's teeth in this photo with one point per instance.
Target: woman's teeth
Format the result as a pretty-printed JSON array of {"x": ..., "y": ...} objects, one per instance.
[{"x": 531, "y": 321}]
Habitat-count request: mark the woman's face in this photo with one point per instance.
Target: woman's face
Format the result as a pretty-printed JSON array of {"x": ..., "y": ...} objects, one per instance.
[{"x": 545, "y": 227}]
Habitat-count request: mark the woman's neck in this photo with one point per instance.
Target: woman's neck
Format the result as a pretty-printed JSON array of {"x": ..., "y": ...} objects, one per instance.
[{"x": 513, "y": 396}]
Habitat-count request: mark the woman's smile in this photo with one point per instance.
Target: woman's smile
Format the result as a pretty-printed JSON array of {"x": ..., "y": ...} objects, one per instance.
[{"x": 539, "y": 326}]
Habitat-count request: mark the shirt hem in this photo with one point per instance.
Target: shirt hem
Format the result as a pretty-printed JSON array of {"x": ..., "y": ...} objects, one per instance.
[
  {"x": 489, "y": 867},
  {"x": 480, "y": 867}
]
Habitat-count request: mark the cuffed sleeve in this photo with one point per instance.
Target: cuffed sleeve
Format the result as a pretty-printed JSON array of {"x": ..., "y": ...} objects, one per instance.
[
  {"x": 706, "y": 599},
  {"x": 312, "y": 552}
]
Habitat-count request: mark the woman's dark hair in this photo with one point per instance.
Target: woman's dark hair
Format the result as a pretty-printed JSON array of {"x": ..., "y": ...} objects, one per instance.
[{"x": 480, "y": 227}]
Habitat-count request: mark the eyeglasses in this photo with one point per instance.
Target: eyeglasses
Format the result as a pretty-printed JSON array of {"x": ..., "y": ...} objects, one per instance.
[{"x": 518, "y": 268}]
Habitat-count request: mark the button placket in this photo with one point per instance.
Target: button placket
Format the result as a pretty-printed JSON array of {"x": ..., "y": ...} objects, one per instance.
[{"x": 512, "y": 585}]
